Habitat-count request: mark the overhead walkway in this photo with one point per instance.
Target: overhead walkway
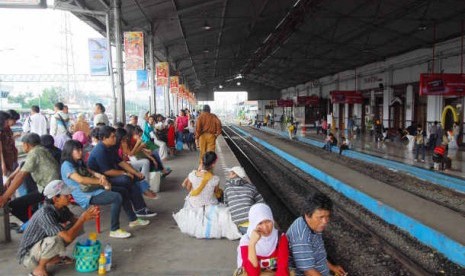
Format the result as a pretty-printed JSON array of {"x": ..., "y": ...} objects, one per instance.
[{"x": 159, "y": 248}]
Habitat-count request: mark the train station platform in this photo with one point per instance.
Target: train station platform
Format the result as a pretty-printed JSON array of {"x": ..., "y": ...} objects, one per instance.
[
  {"x": 159, "y": 248},
  {"x": 391, "y": 150}
]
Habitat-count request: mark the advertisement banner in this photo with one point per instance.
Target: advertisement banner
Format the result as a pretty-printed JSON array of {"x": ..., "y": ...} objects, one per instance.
[
  {"x": 285, "y": 103},
  {"x": 182, "y": 91},
  {"x": 442, "y": 84},
  {"x": 346, "y": 97},
  {"x": 142, "y": 80},
  {"x": 98, "y": 57},
  {"x": 162, "y": 72},
  {"x": 308, "y": 100},
  {"x": 174, "y": 84},
  {"x": 134, "y": 49}
]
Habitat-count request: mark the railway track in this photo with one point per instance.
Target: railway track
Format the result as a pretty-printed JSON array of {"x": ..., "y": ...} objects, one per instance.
[{"x": 353, "y": 228}]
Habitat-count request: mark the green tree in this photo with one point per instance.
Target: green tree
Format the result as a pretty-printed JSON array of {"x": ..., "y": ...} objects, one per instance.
[
  {"x": 48, "y": 98},
  {"x": 20, "y": 99}
]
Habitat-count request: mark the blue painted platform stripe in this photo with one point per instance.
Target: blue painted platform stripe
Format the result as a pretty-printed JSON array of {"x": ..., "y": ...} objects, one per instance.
[
  {"x": 453, "y": 250},
  {"x": 424, "y": 174}
]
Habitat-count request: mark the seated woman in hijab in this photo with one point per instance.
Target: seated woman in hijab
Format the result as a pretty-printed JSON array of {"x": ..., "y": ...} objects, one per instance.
[
  {"x": 262, "y": 250},
  {"x": 202, "y": 216}
]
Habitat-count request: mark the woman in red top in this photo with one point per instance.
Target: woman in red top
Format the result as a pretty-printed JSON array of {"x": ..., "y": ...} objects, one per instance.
[
  {"x": 262, "y": 249},
  {"x": 171, "y": 137}
]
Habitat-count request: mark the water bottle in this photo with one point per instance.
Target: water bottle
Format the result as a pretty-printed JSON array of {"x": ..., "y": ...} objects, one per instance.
[
  {"x": 101, "y": 265},
  {"x": 108, "y": 254}
]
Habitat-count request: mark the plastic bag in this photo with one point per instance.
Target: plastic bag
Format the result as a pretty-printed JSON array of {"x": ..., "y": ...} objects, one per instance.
[
  {"x": 179, "y": 145},
  {"x": 209, "y": 222},
  {"x": 155, "y": 179}
]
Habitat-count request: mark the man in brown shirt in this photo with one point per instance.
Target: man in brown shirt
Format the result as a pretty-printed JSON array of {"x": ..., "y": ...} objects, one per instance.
[{"x": 207, "y": 129}]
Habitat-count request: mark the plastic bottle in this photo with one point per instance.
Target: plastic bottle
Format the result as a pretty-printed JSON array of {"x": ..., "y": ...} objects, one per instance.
[
  {"x": 101, "y": 264},
  {"x": 108, "y": 254},
  {"x": 92, "y": 238}
]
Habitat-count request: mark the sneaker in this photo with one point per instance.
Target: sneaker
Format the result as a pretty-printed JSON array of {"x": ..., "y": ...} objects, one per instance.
[
  {"x": 145, "y": 213},
  {"x": 139, "y": 222},
  {"x": 416, "y": 160},
  {"x": 120, "y": 234},
  {"x": 423, "y": 160}
]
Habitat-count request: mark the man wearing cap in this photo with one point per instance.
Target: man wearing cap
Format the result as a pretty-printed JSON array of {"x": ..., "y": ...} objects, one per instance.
[
  {"x": 45, "y": 238},
  {"x": 43, "y": 168},
  {"x": 240, "y": 195},
  {"x": 208, "y": 127}
]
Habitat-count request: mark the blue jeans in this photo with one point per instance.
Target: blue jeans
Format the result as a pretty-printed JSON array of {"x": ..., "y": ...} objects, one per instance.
[
  {"x": 131, "y": 194},
  {"x": 158, "y": 159},
  {"x": 143, "y": 185},
  {"x": 113, "y": 198},
  {"x": 423, "y": 149}
]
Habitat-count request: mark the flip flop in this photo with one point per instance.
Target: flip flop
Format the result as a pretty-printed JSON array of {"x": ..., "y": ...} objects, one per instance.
[
  {"x": 65, "y": 260},
  {"x": 167, "y": 173}
]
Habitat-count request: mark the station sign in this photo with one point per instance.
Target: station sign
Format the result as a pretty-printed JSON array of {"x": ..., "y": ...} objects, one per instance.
[
  {"x": 308, "y": 100},
  {"x": 285, "y": 103},
  {"x": 442, "y": 84},
  {"x": 346, "y": 97}
]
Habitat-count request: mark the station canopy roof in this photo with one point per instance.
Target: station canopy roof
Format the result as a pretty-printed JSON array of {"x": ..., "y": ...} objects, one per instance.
[{"x": 276, "y": 44}]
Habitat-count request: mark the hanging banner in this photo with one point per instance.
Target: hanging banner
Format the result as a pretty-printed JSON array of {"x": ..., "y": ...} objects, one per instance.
[
  {"x": 442, "y": 84},
  {"x": 182, "y": 90},
  {"x": 162, "y": 72},
  {"x": 285, "y": 103},
  {"x": 98, "y": 57},
  {"x": 346, "y": 97},
  {"x": 142, "y": 80},
  {"x": 134, "y": 49},
  {"x": 308, "y": 100},
  {"x": 174, "y": 84}
]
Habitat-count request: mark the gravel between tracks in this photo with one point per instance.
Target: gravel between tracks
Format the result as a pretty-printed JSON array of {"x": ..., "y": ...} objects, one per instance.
[{"x": 358, "y": 251}]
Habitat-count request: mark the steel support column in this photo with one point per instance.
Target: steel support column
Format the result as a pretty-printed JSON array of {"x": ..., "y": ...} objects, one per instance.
[
  {"x": 121, "y": 113},
  {"x": 153, "y": 88},
  {"x": 110, "y": 67}
]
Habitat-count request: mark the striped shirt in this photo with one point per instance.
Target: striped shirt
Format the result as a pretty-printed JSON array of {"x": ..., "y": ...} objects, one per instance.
[
  {"x": 307, "y": 249},
  {"x": 44, "y": 223},
  {"x": 240, "y": 195}
]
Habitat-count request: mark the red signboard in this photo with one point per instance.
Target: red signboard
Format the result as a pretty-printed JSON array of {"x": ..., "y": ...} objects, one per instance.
[
  {"x": 346, "y": 97},
  {"x": 285, "y": 103},
  {"x": 308, "y": 100},
  {"x": 442, "y": 84}
]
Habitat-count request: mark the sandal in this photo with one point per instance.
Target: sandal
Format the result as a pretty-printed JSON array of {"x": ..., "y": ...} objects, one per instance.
[
  {"x": 151, "y": 194},
  {"x": 168, "y": 171},
  {"x": 65, "y": 260}
]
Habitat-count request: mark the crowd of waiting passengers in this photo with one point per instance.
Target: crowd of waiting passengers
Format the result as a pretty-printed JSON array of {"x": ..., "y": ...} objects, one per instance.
[{"x": 68, "y": 162}]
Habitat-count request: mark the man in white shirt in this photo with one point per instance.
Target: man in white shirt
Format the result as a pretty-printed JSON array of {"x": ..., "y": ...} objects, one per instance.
[
  {"x": 100, "y": 118},
  {"x": 36, "y": 122}
]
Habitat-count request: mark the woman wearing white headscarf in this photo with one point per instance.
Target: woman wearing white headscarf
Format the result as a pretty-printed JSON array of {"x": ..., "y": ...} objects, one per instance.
[{"x": 262, "y": 250}]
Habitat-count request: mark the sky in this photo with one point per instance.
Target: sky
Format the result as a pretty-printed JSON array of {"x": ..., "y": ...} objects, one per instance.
[{"x": 33, "y": 41}]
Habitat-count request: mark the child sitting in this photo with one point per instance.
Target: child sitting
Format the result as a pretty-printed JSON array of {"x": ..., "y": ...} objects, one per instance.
[{"x": 345, "y": 144}]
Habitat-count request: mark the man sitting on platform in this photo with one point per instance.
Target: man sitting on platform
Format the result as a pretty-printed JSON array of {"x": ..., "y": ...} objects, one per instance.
[
  {"x": 306, "y": 240},
  {"x": 240, "y": 195},
  {"x": 45, "y": 239},
  {"x": 104, "y": 159}
]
